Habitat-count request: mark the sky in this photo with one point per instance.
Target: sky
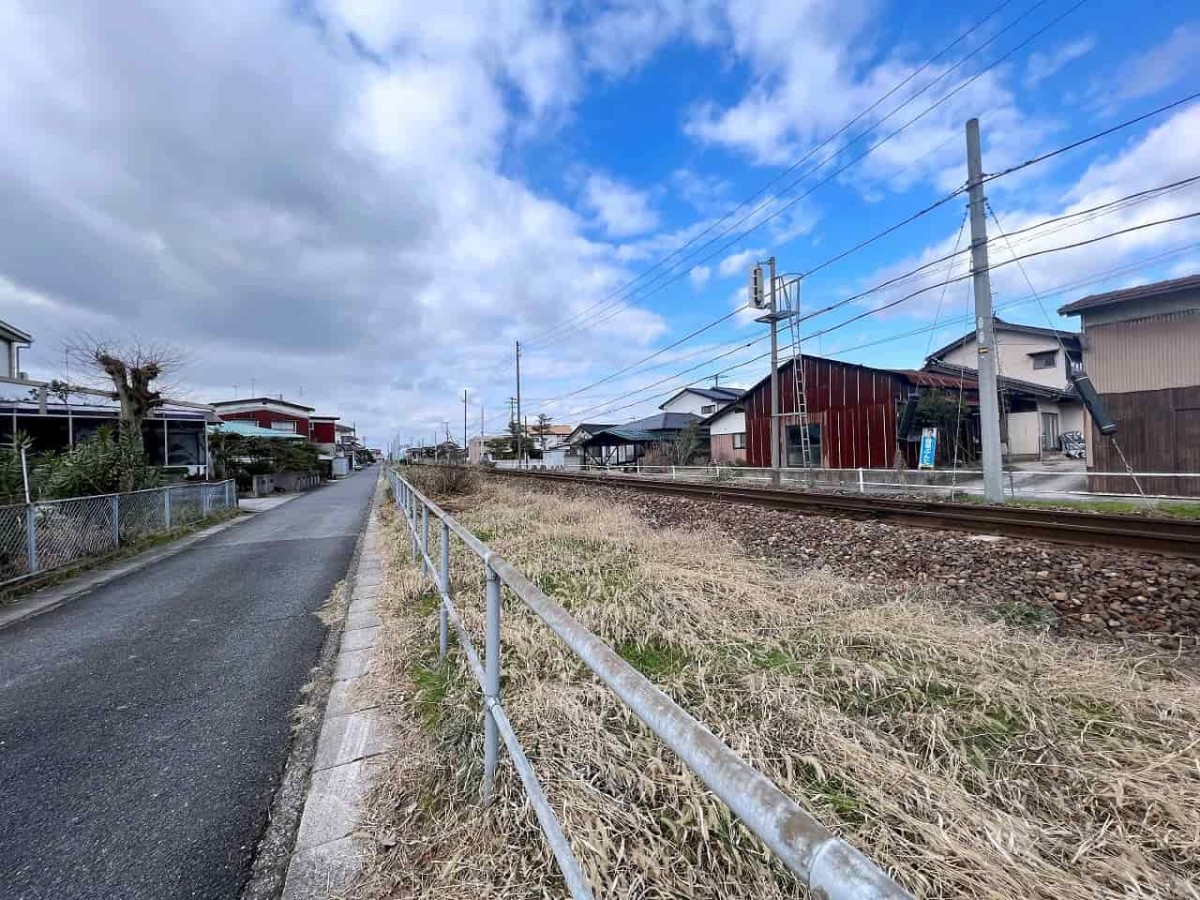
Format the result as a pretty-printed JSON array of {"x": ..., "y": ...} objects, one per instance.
[{"x": 363, "y": 204}]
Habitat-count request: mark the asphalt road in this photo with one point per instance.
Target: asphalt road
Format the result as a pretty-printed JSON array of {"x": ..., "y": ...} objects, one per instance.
[{"x": 144, "y": 726}]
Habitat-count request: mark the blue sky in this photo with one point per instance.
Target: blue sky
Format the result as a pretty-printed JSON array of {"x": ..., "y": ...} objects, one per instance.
[{"x": 363, "y": 203}]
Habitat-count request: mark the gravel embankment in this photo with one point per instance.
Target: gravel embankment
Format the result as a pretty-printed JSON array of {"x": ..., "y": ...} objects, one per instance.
[{"x": 1097, "y": 593}]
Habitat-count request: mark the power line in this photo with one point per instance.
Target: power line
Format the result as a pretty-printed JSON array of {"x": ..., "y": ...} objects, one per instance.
[
  {"x": 792, "y": 203},
  {"x": 892, "y": 304}
]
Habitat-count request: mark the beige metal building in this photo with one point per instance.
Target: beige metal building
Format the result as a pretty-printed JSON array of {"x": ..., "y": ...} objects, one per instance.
[{"x": 1141, "y": 348}]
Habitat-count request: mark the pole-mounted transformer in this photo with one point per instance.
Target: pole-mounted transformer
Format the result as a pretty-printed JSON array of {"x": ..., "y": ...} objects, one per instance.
[{"x": 1094, "y": 403}]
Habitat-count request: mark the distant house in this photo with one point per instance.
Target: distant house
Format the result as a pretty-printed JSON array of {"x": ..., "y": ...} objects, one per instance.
[
  {"x": 618, "y": 445},
  {"x": 701, "y": 401},
  {"x": 1028, "y": 356},
  {"x": 1141, "y": 349},
  {"x": 11, "y": 341},
  {"x": 268, "y": 412},
  {"x": 727, "y": 434},
  {"x": 585, "y": 430}
]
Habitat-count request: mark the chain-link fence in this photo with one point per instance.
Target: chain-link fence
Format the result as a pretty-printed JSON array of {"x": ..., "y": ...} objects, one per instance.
[{"x": 39, "y": 537}]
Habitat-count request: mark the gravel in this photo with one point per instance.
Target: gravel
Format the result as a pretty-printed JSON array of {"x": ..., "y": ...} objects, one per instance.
[{"x": 1099, "y": 593}]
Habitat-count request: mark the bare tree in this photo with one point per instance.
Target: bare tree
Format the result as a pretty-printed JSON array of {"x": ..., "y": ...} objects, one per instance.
[{"x": 135, "y": 372}]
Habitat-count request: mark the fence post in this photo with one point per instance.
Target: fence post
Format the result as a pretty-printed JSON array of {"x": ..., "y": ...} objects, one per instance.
[
  {"x": 862, "y": 489},
  {"x": 491, "y": 686},
  {"x": 31, "y": 542},
  {"x": 443, "y": 613},
  {"x": 205, "y": 500},
  {"x": 412, "y": 524},
  {"x": 166, "y": 509},
  {"x": 672, "y": 473},
  {"x": 424, "y": 537},
  {"x": 116, "y": 519}
]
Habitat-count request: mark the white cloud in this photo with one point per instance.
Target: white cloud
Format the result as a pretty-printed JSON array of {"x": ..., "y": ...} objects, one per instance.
[
  {"x": 699, "y": 276},
  {"x": 1042, "y": 64},
  {"x": 622, "y": 211},
  {"x": 1160, "y": 157},
  {"x": 289, "y": 210},
  {"x": 1164, "y": 64},
  {"x": 739, "y": 263}
]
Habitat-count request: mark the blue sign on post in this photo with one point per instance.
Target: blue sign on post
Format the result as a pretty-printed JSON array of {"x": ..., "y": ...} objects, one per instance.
[{"x": 928, "y": 448}]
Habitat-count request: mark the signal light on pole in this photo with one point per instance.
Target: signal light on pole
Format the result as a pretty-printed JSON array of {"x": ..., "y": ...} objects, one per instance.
[{"x": 758, "y": 294}]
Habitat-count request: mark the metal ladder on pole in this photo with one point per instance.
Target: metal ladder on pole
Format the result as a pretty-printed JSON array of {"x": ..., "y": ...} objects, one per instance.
[{"x": 799, "y": 392}]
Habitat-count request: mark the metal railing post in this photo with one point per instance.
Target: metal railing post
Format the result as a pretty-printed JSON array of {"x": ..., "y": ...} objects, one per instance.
[
  {"x": 862, "y": 489},
  {"x": 412, "y": 525},
  {"x": 205, "y": 501},
  {"x": 491, "y": 686},
  {"x": 443, "y": 613},
  {"x": 116, "y": 519},
  {"x": 424, "y": 538},
  {"x": 31, "y": 542},
  {"x": 166, "y": 509}
]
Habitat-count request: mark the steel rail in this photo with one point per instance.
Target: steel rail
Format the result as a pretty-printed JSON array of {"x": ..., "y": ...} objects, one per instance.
[
  {"x": 830, "y": 867},
  {"x": 1177, "y": 537}
]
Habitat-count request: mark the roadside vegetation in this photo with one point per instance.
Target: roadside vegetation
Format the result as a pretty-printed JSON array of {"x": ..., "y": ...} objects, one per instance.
[{"x": 972, "y": 758}]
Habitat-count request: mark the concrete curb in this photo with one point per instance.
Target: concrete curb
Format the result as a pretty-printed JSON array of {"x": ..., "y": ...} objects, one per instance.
[
  {"x": 354, "y": 741},
  {"x": 50, "y": 598}
]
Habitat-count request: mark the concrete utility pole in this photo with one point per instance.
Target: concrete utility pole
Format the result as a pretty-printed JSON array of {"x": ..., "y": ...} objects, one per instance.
[
  {"x": 985, "y": 327},
  {"x": 465, "y": 450},
  {"x": 520, "y": 436}
]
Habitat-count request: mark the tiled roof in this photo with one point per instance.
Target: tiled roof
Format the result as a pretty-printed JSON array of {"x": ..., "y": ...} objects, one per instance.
[{"x": 1140, "y": 292}]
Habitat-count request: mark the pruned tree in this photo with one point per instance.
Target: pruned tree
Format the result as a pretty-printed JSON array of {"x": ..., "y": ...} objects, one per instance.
[{"x": 135, "y": 372}]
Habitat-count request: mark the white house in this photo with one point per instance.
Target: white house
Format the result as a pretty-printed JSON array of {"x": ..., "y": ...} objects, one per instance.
[
  {"x": 1028, "y": 355},
  {"x": 727, "y": 434},
  {"x": 701, "y": 401},
  {"x": 11, "y": 341}
]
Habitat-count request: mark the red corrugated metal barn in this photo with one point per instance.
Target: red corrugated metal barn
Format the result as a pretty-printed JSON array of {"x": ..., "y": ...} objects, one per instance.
[{"x": 853, "y": 413}]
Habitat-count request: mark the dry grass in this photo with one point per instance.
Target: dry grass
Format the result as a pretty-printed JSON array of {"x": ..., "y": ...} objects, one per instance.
[{"x": 970, "y": 758}]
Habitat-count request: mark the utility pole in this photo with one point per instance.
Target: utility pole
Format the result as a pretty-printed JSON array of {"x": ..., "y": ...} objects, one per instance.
[
  {"x": 758, "y": 301},
  {"x": 985, "y": 328},
  {"x": 520, "y": 436},
  {"x": 465, "y": 447}
]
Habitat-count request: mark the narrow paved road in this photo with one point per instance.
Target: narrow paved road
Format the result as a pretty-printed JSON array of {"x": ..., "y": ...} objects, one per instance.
[{"x": 143, "y": 727}]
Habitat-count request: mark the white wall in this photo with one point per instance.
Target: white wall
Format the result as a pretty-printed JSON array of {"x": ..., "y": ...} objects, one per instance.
[
  {"x": 1013, "y": 360},
  {"x": 687, "y": 402},
  {"x": 729, "y": 423},
  {"x": 8, "y": 361}
]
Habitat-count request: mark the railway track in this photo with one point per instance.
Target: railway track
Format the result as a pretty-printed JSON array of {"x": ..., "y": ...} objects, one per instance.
[{"x": 1174, "y": 537}]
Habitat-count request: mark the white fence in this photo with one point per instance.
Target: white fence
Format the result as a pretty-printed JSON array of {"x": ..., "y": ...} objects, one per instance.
[{"x": 47, "y": 535}]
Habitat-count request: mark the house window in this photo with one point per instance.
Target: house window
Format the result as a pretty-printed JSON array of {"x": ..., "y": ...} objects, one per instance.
[
  {"x": 278, "y": 425},
  {"x": 708, "y": 409},
  {"x": 1049, "y": 431},
  {"x": 1047, "y": 360},
  {"x": 739, "y": 440},
  {"x": 1074, "y": 366},
  {"x": 795, "y": 447}
]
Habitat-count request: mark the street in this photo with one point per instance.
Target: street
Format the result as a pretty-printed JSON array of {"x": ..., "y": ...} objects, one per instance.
[{"x": 143, "y": 726}]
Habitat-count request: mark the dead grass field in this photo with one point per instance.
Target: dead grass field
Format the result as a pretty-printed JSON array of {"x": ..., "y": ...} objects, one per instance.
[{"x": 970, "y": 758}]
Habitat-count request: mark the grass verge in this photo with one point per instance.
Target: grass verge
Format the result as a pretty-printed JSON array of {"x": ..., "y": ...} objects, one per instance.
[{"x": 972, "y": 758}]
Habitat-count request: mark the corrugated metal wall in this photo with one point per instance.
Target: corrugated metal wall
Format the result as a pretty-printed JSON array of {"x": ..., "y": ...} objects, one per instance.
[
  {"x": 855, "y": 407},
  {"x": 1145, "y": 354}
]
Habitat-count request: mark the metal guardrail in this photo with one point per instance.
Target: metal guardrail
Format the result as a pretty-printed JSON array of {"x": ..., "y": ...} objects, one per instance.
[
  {"x": 829, "y": 866},
  {"x": 49, "y": 534}
]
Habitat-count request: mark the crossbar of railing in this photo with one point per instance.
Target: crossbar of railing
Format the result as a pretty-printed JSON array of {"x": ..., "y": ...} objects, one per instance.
[{"x": 828, "y": 865}]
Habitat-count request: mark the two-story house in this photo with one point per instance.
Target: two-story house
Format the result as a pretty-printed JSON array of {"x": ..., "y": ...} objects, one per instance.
[
  {"x": 1141, "y": 349},
  {"x": 11, "y": 341},
  {"x": 1040, "y": 362}
]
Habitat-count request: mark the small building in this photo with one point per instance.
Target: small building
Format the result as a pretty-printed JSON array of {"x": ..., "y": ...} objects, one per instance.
[
  {"x": 727, "y": 435},
  {"x": 11, "y": 341},
  {"x": 585, "y": 430},
  {"x": 1141, "y": 349},
  {"x": 628, "y": 444},
  {"x": 700, "y": 401},
  {"x": 268, "y": 412},
  {"x": 1031, "y": 356}
]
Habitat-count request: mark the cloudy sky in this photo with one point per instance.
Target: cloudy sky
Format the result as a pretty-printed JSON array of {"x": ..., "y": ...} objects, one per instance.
[{"x": 362, "y": 204}]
